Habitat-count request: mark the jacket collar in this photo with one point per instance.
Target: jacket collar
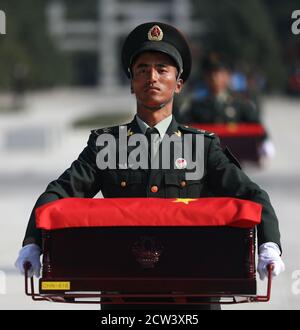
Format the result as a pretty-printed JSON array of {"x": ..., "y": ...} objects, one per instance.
[{"x": 134, "y": 128}]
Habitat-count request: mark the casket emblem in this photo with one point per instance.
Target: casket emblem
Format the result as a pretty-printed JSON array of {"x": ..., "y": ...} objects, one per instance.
[{"x": 147, "y": 251}]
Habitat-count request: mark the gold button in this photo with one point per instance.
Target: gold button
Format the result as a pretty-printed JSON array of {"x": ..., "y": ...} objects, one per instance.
[
  {"x": 154, "y": 189},
  {"x": 183, "y": 184},
  {"x": 123, "y": 184}
]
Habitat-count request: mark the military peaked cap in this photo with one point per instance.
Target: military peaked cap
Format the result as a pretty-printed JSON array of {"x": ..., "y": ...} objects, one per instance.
[{"x": 160, "y": 37}]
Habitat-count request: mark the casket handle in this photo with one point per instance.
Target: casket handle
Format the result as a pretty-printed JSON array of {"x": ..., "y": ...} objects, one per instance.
[{"x": 267, "y": 297}]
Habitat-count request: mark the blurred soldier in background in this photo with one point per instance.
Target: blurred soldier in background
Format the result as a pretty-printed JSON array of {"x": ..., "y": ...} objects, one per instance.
[{"x": 220, "y": 103}]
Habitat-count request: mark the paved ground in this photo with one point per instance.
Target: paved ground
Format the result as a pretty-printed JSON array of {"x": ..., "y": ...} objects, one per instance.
[{"x": 24, "y": 175}]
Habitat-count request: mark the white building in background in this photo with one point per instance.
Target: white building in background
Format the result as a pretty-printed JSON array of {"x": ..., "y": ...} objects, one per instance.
[{"x": 115, "y": 19}]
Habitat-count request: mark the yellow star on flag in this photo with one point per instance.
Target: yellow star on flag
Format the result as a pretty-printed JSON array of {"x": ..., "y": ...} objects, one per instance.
[
  {"x": 232, "y": 127},
  {"x": 184, "y": 200}
]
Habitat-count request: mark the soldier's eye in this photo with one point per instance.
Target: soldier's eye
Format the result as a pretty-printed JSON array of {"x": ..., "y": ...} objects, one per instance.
[{"x": 142, "y": 71}]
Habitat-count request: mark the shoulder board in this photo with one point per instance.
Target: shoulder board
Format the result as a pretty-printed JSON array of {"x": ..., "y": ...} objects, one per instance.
[
  {"x": 106, "y": 130},
  {"x": 197, "y": 131}
]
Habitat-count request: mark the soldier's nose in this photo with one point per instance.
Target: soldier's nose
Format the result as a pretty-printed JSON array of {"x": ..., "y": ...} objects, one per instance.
[{"x": 152, "y": 75}]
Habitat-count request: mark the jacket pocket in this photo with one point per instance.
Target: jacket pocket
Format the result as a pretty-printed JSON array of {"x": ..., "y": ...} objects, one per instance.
[{"x": 177, "y": 186}]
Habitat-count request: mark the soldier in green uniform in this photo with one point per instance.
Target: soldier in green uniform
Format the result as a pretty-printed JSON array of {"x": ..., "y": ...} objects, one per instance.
[
  {"x": 157, "y": 60},
  {"x": 217, "y": 103}
]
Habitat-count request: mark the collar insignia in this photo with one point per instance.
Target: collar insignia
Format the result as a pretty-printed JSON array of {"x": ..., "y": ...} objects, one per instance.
[{"x": 129, "y": 132}]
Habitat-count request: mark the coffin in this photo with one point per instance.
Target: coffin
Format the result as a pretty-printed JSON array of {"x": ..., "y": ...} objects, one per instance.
[
  {"x": 202, "y": 246},
  {"x": 244, "y": 140}
]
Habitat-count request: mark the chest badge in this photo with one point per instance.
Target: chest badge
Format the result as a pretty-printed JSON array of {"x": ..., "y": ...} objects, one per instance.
[{"x": 181, "y": 163}]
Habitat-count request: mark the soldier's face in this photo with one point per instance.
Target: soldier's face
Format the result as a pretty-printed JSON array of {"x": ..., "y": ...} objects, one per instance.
[
  {"x": 154, "y": 80},
  {"x": 218, "y": 80}
]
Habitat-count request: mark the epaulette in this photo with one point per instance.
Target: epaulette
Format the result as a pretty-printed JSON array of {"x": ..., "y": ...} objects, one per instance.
[
  {"x": 197, "y": 131},
  {"x": 106, "y": 130}
]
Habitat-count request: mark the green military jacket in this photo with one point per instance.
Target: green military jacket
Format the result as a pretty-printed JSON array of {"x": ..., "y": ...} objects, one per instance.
[
  {"x": 226, "y": 109},
  {"x": 222, "y": 177}
]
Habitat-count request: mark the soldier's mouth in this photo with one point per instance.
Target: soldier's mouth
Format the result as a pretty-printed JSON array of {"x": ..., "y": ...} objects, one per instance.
[{"x": 150, "y": 89}]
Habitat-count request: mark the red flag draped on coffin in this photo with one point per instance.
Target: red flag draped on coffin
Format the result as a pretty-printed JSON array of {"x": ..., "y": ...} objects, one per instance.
[{"x": 124, "y": 212}]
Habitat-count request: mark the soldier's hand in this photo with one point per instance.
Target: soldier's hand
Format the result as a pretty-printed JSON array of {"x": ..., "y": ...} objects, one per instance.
[
  {"x": 29, "y": 253},
  {"x": 269, "y": 253},
  {"x": 267, "y": 149}
]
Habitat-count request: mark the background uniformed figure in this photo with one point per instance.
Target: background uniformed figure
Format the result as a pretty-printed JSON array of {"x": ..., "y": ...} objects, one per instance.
[
  {"x": 217, "y": 102},
  {"x": 157, "y": 59}
]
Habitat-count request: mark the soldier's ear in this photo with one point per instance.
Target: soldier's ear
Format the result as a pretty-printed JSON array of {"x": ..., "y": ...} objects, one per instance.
[{"x": 179, "y": 85}]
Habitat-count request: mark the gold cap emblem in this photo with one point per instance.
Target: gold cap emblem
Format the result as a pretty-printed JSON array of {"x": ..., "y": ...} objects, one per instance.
[{"x": 155, "y": 33}]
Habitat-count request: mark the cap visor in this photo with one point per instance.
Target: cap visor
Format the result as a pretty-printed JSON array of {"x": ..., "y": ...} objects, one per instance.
[{"x": 161, "y": 47}]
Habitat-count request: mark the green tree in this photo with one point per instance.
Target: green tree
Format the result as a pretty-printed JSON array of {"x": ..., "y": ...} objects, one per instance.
[{"x": 27, "y": 47}]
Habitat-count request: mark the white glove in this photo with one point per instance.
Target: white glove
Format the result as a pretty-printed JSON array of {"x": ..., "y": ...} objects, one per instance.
[
  {"x": 267, "y": 149},
  {"x": 269, "y": 253},
  {"x": 29, "y": 253}
]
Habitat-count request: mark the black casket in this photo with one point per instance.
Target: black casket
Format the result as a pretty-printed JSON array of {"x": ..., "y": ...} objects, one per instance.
[{"x": 90, "y": 245}]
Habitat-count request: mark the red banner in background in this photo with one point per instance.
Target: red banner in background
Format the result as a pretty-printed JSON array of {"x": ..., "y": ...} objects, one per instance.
[{"x": 124, "y": 212}]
